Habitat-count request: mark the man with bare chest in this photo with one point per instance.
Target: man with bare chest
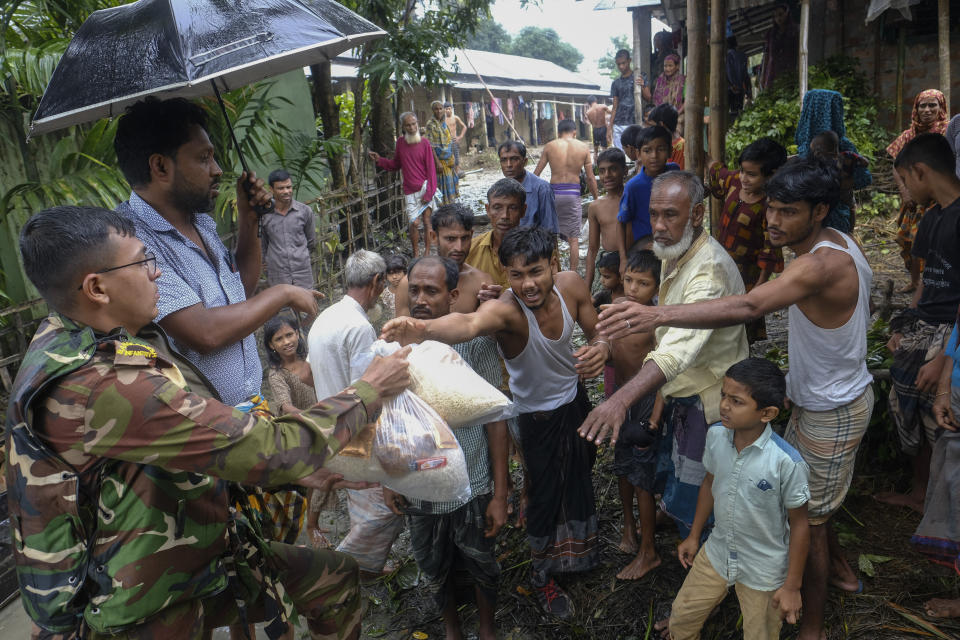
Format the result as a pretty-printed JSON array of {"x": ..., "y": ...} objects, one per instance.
[
  {"x": 457, "y": 129},
  {"x": 604, "y": 230},
  {"x": 532, "y": 323},
  {"x": 453, "y": 232},
  {"x": 597, "y": 114},
  {"x": 567, "y": 156}
]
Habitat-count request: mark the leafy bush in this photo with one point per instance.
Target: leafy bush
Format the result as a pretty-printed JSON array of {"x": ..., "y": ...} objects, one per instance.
[{"x": 775, "y": 112}]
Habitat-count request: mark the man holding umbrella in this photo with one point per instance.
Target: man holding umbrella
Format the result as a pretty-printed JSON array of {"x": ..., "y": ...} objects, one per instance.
[{"x": 168, "y": 159}]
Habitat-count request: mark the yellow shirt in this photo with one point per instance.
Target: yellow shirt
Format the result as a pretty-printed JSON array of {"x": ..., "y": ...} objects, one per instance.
[
  {"x": 482, "y": 256},
  {"x": 694, "y": 360}
]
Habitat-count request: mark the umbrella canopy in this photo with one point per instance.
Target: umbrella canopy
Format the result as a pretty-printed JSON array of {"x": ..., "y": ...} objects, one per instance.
[{"x": 173, "y": 48}]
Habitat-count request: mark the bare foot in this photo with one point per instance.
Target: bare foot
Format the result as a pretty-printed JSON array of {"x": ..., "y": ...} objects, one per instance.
[
  {"x": 850, "y": 586},
  {"x": 908, "y": 500},
  {"x": 628, "y": 543},
  {"x": 942, "y": 608},
  {"x": 663, "y": 628},
  {"x": 910, "y": 288},
  {"x": 640, "y": 566}
]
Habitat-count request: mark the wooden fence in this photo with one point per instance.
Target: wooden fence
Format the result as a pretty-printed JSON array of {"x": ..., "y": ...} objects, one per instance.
[{"x": 349, "y": 219}]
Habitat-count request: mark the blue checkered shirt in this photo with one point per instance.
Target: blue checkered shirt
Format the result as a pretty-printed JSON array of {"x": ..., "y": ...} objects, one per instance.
[{"x": 191, "y": 276}]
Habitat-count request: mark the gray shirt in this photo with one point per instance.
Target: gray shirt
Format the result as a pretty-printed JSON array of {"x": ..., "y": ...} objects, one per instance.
[{"x": 288, "y": 240}]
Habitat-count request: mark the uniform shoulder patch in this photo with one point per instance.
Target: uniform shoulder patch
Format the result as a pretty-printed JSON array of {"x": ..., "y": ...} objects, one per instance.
[{"x": 135, "y": 354}]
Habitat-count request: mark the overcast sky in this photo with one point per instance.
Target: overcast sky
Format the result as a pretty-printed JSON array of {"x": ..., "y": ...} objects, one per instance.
[{"x": 576, "y": 22}]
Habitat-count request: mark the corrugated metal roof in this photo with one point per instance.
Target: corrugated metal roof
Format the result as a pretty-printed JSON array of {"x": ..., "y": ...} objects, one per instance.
[{"x": 500, "y": 71}]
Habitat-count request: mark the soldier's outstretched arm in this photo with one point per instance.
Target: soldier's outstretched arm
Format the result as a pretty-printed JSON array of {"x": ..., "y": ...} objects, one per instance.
[{"x": 144, "y": 414}]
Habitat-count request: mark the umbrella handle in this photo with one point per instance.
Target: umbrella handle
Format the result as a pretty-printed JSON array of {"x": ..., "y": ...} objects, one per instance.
[{"x": 260, "y": 209}]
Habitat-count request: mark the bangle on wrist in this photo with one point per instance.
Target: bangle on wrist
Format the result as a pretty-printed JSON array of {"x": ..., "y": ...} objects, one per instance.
[{"x": 942, "y": 393}]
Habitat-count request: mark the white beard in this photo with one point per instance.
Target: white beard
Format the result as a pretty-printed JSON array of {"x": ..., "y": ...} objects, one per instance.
[
  {"x": 412, "y": 138},
  {"x": 673, "y": 252}
]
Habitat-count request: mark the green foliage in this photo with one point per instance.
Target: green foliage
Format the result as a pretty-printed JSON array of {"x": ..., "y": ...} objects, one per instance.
[
  {"x": 419, "y": 36},
  {"x": 878, "y": 204},
  {"x": 489, "y": 36},
  {"x": 250, "y": 110},
  {"x": 81, "y": 171},
  {"x": 545, "y": 44},
  {"x": 607, "y": 63},
  {"x": 775, "y": 112}
]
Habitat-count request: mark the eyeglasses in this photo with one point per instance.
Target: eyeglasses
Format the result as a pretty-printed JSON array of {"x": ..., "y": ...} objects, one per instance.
[{"x": 149, "y": 263}]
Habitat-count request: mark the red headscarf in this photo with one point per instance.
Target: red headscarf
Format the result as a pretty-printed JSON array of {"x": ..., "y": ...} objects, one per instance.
[{"x": 916, "y": 128}]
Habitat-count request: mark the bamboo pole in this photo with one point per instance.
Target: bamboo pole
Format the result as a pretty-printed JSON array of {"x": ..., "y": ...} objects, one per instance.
[
  {"x": 638, "y": 56},
  {"x": 943, "y": 23},
  {"x": 804, "y": 54},
  {"x": 901, "y": 63},
  {"x": 556, "y": 120},
  {"x": 693, "y": 103},
  {"x": 718, "y": 93},
  {"x": 490, "y": 93}
]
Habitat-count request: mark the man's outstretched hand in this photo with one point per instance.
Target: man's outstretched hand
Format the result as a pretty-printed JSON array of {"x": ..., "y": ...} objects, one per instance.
[
  {"x": 404, "y": 330},
  {"x": 623, "y": 318},
  {"x": 605, "y": 420}
]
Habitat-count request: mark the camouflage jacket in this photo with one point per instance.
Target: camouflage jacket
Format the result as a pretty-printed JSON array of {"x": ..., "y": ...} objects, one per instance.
[{"x": 117, "y": 510}]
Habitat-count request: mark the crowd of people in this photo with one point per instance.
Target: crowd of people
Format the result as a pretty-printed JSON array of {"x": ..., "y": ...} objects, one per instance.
[{"x": 154, "y": 490}]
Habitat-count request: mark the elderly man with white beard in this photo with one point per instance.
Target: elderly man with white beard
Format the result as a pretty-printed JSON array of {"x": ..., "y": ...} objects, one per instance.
[{"x": 687, "y": 365}]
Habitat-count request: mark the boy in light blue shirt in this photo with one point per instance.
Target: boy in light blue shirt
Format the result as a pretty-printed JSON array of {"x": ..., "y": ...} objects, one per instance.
[{"x": 756, "y": 488}]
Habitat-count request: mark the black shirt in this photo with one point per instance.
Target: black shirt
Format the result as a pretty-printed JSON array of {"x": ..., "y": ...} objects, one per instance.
[
  {"x": 622, "y": 90},
  {"x": 938, "y": 244}
]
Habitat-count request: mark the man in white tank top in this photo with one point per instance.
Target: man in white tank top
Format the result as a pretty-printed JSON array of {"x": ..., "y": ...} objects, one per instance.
[
  {"x": 532, "y": 323},
  {"x": 827, "y": 291}
]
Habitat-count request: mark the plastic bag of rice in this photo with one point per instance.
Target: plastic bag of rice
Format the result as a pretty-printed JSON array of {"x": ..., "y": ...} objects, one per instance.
[
  {"x": 410, "y": 450},
  {"x": 448, "y": 384}
]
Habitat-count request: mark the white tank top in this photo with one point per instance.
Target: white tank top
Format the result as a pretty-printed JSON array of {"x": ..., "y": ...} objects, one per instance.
[
  {"x": 543, "y": 376},
  {"x": 828, "y": 367}
]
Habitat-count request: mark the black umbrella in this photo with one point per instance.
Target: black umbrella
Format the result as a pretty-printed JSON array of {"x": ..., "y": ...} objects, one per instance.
[{"x": 190, "y": 48}]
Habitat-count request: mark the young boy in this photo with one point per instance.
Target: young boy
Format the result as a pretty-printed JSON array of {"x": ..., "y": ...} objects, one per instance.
[
  {"x": 611, "y": 285},
  {"x": 666, "y": 116},
  {"x": 611, "y": 289},
  {"x": 396, "y": 272},
  {"x": 653, "y": 144},
  {"x": 756, "y": 488},
  {"x": 742, "y": 228},
  {"x": 628, "y": 140},
  {"x": 602, "y": 213},
  {"x": 635, "y": 454}
]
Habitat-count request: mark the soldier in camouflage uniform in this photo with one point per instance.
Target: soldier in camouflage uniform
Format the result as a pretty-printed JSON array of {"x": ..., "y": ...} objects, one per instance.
[{"x": 119, "y": 456}]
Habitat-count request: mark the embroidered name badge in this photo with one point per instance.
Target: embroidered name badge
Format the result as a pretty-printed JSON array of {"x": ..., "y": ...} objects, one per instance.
[
  {"x": 133, "y": 353},
  {"x": 763, "y": 485}
]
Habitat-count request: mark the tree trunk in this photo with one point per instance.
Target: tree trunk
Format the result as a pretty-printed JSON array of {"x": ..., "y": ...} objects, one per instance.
[
  {"x": 330, "y": 117},
  {"x": 696, "y": 81},
  {"x": 381, "y": 117}
]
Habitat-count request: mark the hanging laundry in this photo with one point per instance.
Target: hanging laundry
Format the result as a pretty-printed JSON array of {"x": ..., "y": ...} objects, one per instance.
[
  {"x": 470, "y": 118},
  {"x": 495, "y": 107},
  {"x": 510, "y": 103},
  {"x": 520, "y": 99},
  {"x": 547, "y": 110}
]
